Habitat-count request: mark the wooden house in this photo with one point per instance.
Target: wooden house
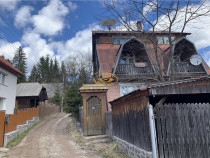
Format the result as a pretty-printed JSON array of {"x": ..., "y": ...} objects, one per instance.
[
  {"x": 132, "y": 58},
  {"x": 51, "y": 88},
  {"x": 30, "y": 95}
]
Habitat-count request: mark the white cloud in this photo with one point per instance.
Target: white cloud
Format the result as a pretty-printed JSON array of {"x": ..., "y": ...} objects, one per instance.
[
  {"x": 35, "y": 47},
  {"x": 50, "y": 20},
  {"x": 23, "y": 16},
  {"x": 8, "y": 49},
  {"x": 199, "y": 27},
  {"x": 8, "y": 4},
  {"x": 72, "y": 6},
  {"x": 149, "y": 7}
]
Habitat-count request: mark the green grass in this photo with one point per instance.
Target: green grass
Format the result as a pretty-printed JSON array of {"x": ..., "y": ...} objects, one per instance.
[{"x": 21, "y": 136}]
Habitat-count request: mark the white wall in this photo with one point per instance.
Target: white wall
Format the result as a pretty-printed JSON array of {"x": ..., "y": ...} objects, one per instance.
[{"x": 8, "y": 91}]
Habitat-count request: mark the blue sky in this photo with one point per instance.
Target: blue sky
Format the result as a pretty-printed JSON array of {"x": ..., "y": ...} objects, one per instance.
[{"x": 62, "y": 27}]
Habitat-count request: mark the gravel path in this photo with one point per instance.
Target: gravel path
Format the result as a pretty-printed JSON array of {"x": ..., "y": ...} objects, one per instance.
[{"x": 50, "y": 140}]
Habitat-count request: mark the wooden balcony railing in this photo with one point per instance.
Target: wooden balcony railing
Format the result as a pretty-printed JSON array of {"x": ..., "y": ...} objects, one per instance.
[
  {"x": 186, "y": 67},
  {"x": 131, "y": 69}
]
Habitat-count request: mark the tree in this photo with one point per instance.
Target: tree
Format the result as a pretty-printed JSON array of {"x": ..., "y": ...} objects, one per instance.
[
  {"x": 72, "y": 99},
  {"x": 160, "y": 15},
  {"x": 19, "y": 61},
  {"x": 34, "y": 76},
  {"x": 57, "y": 98},
  {"x": 79, "y": 70}
]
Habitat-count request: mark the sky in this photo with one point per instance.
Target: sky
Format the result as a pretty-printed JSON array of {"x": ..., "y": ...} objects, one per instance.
[{"x": 63, "y": 27}]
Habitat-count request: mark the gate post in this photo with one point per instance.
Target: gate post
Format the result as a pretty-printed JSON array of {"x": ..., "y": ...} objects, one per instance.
[{"x": 153, "y": 132}]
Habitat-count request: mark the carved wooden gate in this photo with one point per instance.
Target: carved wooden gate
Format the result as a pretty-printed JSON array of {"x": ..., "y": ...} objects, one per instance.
[{"x": 94, "y": 110}]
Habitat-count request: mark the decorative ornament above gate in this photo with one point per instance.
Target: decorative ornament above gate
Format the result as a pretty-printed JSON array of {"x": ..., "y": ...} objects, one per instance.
[{"x": 105, "y": 78}]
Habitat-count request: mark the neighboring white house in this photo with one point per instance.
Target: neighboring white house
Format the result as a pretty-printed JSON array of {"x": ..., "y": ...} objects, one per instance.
[{"x": 8, "y": 82}]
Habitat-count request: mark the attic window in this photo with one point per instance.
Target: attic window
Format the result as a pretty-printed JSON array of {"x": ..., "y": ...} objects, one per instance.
[
  {"x": 120, "y": 40},
  {"x": 164, "y": 39}
]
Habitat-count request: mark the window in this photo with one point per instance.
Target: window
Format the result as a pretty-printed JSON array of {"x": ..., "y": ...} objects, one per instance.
[
  {"x": 127, "y": 60},
  {"x": 2, "y": 78},
  {"x": 2, "y": 104},
  {"x": 120, "y": 40},
  {"x": 164, "y": 39},
  {"x": 123, "y": 61}
]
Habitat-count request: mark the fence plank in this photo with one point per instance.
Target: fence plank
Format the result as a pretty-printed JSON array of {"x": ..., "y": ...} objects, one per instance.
[{"x": 183, "y": 130}]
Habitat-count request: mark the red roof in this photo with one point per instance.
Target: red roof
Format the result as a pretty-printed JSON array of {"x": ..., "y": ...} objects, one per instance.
[
  {"x": 131, "y": 32},
  {"x": 206, "y": 67},
  {"x": 5, "y": 64},
  {"x": 107, "y": 54}
]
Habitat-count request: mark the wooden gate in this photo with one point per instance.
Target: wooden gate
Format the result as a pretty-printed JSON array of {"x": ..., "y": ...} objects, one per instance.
[
  {"x": 183, "y": 130},
  {"x": 94, "y": 110},
  {"x": 2, "y": 121}
]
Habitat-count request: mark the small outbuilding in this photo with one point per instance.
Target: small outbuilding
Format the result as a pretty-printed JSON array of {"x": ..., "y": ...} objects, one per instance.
[
  {"x": 30, "y": 95},
  {"x": 94, "y": 108}
]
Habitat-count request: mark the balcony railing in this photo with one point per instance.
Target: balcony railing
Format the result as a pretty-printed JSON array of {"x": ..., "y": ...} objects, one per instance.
[
  {"x": 186, "y": 67},
  {"x": 131, "y": 69}
]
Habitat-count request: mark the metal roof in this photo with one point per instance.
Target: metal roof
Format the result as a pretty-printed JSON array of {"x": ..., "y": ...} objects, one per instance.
[
  {"x": 52, "y": 87},
  {"x": 28, "y": 89}
]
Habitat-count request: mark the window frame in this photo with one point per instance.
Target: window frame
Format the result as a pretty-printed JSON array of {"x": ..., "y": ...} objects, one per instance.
[{"x": 2, "y": 78}]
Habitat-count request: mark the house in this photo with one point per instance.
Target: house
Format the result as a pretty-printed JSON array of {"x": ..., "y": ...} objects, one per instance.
[
  {"x": 30, "y": 95},
  {"x": 51, "y": 88},
  {"x": 8, "y": 82},
  {"x": 131, "y": 57}
]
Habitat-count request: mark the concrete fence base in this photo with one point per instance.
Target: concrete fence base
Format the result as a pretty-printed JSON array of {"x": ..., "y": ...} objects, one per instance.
[
  {"x": 131, "y": 150},
  {"x": 8, "y": 137}
]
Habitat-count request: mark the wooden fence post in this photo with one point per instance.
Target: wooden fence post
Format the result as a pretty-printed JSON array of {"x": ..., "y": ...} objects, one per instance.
[{"x": 153, "y": 132}]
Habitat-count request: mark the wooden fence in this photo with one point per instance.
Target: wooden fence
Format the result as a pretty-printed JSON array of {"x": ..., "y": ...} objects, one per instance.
[
  {"x": 47, "y": 110},
  {"x": 2, "y": 120},
  {"x": 109, "y": 127},
  {"x": 130, "y": 120},
  {"x": 183, "y": 130},
  {"x": 20, "y": 118}
]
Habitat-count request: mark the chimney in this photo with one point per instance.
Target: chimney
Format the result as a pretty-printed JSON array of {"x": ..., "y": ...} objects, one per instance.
[{"x": 139, "y": 25}]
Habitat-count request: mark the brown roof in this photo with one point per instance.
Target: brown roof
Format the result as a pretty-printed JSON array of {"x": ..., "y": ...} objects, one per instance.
[
  {"x": 131, "y": 32},
  {"x": 107, "y": 54},
  {"x": 206, "y": 67},
  {"x": 4, "y": 63},
  {"x": 162, "y": 51}
]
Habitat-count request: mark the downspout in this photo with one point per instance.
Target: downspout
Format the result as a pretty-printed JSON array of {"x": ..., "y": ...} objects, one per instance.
[{"x": 153, "y": 132}]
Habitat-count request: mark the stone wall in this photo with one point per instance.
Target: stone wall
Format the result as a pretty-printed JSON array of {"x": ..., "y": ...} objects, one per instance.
[
  {"x": 8, "y": 137},
  {"x": 131, "y": 150}
]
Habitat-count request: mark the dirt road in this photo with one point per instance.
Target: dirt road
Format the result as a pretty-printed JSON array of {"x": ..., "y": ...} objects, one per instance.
[{"x": 50, "y": 140}]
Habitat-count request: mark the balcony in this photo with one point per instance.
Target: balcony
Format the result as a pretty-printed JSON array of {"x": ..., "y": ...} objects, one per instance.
[
  {"x": 131, "y": 69},
  {"x": 186, "y": 67}
]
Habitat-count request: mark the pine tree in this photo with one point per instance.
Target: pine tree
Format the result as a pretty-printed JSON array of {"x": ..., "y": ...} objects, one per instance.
[
  {"x": 34, "y": 76},
  {"x": 19, "y": 61},
  {"x": 63, "y": 75},
  {"x": 41, "y": 70},
  {"x": 57, "y": 98},
  {"x": 72, "y": 99},
  {"x": 56, "y": 70},
  {"x": 47, "y": 69}
]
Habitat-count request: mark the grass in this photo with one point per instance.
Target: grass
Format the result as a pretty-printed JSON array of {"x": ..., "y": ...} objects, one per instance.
[
  {"x": 21, "y": 136},
  {"x": 104, "y": 147}
]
